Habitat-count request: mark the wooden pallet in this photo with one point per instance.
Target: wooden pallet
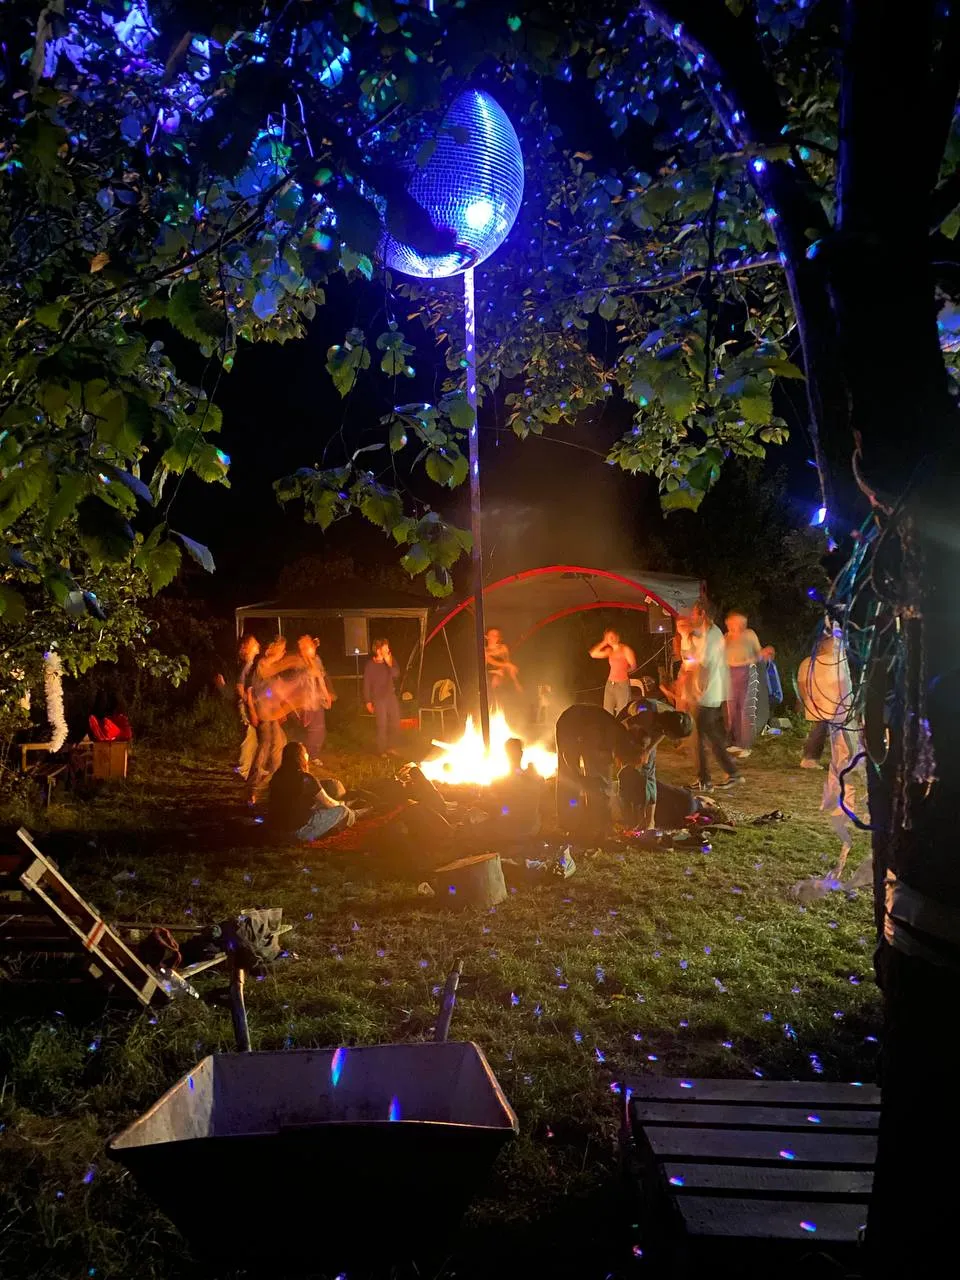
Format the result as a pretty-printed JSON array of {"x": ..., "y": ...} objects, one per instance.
[
  {"x": 752, "y": 1174},
  {"x": 41, "y": 913}
]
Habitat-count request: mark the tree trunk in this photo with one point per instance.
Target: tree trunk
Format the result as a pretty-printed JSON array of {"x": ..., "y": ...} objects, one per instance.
[{"x": 881, "y": 287}]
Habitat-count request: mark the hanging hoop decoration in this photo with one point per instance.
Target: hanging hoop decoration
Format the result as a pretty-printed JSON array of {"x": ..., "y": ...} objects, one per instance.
[{"x": 466, "y": 173}]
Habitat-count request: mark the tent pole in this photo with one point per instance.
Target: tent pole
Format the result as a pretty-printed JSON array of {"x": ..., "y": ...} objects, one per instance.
[{"x": 476, "y": 558}]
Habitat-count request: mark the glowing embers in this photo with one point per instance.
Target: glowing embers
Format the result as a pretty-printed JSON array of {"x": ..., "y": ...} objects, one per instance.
[{"x": 466, "y": 761}]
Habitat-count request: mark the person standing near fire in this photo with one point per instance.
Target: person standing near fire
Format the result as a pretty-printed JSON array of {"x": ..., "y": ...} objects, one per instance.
[
  {"x": 315, "y": 695},
  {"x": 500, "y": 668},
  {"x": 380, "y": 677},
  {"x": 622, "y": 660},
  {"x": 249, "y": 652}
]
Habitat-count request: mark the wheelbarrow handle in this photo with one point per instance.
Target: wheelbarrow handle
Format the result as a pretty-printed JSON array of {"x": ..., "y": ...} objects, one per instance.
[
  {"x": 238, "y": 1010},
  {"x": 447, "y": 1002}
]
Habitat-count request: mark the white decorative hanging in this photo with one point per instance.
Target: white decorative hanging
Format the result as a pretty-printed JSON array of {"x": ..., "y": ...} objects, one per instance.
[{"x": 53, "y": 695}]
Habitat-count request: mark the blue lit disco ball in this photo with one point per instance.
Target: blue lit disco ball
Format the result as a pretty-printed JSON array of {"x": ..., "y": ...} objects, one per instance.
[{"x": 471, "y": 184}]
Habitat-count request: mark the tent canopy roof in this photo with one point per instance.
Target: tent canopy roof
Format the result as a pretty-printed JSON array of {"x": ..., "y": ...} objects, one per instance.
[
  {"x": 524, "y": 602},
  {"x": 351, "y": 599}
]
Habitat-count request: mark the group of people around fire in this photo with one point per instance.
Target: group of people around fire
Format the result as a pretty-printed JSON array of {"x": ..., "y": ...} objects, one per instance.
[
  {"x": 722, "y": 686},
  {"x": 283, "y": 696}
]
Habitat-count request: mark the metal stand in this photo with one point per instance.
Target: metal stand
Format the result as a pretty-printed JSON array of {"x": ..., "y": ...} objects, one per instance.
[{"x": 476, "y": 558}]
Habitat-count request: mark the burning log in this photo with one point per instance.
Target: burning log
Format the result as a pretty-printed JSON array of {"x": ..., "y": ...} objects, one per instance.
[{"x": 467, "y": 761}]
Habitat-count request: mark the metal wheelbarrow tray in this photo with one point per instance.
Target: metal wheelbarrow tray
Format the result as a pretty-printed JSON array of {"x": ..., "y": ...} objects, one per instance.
[{"x": 321, "y": 1156}]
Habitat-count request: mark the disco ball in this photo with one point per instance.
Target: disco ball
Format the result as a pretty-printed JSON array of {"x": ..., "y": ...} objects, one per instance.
[{"x": 472, "y": 184}]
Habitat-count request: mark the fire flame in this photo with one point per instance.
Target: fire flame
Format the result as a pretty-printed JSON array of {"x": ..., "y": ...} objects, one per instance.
[{"x": 465, "y": 761}]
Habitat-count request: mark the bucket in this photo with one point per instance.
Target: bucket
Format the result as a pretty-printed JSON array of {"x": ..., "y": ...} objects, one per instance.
[{"x": 327, "y": 1157}]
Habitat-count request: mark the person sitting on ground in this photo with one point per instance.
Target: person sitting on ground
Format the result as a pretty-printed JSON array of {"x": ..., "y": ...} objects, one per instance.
[
  {"x": 298, "y": 805},
  {"x": 516, "y": 800}
]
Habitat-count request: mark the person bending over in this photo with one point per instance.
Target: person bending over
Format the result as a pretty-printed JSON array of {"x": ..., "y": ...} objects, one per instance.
[
  {"x": 622, "y": 660},
  {"x": 589, "y": 742},
  {"x": 298, "y": 805},
  {"x": 649, "y": 721}
]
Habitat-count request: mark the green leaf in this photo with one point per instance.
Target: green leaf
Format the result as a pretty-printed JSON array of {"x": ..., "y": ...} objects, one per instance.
[
  {"x": 951, "y": 225},
  {"x": 13, "y": 609},
  {"x": 681, "y": 499},
  {"x": 382, "y": 508},
  {"x": 345, "y": 363},
  {"x": 678, "y": 395},
  {"x": 439, "y": 582},
  {"x": 398, "y": 435},
  {"x": 104, "y": 534},
  {"x": 49, "y": 316},
  {"x": 69, "y": 492},
  {"x": 197, "y": 550},
  {"x": 756, "y": 403},
  {"x": 608, "y": 308},
  {"x": 784, "y": 369},
  {"x": 20, "y": 490},
  {"x": 394, "y": 362},
  {"x": 440, "y": 468},
  {"x": 416, "y": 560},
  {"x": 160, "y": 563},
  {"x": 458, "y": 409}
]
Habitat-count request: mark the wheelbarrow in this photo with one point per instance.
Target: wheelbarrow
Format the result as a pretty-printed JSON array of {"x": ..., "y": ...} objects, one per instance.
[{"x": 322, "y": 1159}]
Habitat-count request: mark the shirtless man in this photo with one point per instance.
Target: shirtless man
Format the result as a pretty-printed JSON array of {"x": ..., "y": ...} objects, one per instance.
[
  {"x": 497, "y": 657},
  {"x": 622, "y": 661},
  {"x": 744, "y": 655}
]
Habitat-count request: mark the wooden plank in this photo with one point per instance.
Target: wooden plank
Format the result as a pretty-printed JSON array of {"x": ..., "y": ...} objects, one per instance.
[
  {"x": 763, "y": 1146},
  {"x": 772, "y": 1220},
  {"x": 715, "y": 1115},
  {"x": 800, "y": 1093},
  {"x": 110, "y": 958},
  {"x": 783, "y": 1180}
]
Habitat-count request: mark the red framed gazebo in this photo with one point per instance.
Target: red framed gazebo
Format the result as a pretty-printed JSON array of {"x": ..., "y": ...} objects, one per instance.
[{"x": 523, "y": 603}]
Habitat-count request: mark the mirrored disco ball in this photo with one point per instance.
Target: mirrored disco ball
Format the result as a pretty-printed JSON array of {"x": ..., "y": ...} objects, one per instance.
[{"x": 473, "y": 186}]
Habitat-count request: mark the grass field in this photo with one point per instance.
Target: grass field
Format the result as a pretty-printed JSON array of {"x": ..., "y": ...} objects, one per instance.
[{"x": 670, "y": 962}]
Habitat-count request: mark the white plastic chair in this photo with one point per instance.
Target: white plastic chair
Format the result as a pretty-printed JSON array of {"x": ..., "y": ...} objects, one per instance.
[{"x": 443, "y": 703}]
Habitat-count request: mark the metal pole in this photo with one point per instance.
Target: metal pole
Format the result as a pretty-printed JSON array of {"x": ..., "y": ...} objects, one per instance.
[{"x": 470, "y": 333}]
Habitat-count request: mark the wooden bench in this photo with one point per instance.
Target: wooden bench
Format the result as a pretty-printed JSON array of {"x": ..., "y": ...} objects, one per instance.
[{"x": 751, "y": 1175}]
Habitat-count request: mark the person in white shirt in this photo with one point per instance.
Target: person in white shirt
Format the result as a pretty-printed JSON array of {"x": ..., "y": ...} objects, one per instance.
[{"x": 710, "y": 689}]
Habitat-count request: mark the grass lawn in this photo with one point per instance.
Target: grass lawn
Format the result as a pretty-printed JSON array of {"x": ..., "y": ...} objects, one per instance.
[{"x": 670, "y": 962}]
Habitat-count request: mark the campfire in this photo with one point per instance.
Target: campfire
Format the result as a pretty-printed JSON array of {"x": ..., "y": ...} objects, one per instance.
[{"x": 466, "y": 761}]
